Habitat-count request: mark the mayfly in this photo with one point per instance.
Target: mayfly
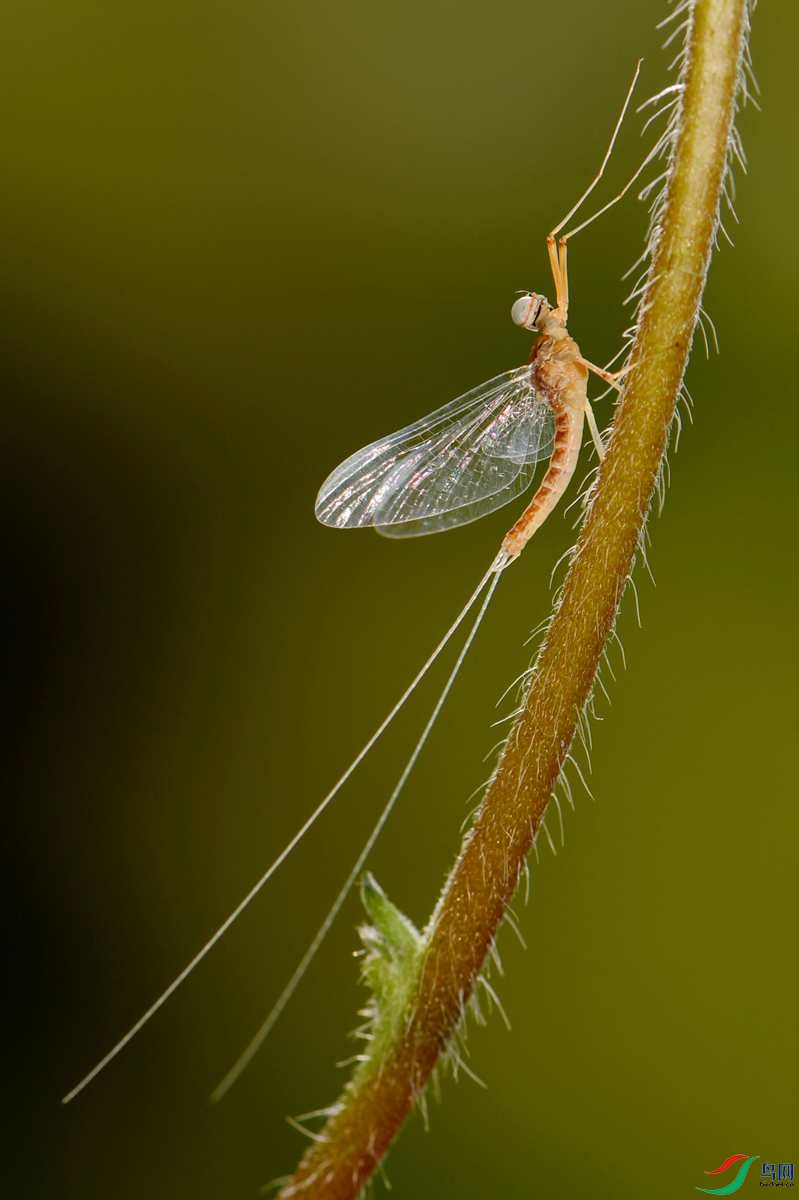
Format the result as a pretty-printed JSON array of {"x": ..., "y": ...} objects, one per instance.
[{"x": 462, "y": 461}]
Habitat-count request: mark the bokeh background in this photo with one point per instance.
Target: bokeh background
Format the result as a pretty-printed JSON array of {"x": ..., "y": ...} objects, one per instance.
[{"x": 240, "y": 241}]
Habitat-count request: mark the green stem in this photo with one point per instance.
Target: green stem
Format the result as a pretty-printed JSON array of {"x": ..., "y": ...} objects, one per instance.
[{"x": 461, "y": 933}]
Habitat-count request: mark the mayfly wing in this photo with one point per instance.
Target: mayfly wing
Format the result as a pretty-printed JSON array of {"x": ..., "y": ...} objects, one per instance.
[
  {"x": 521, "y": 434},
  {"x": 463, "y": 460}
]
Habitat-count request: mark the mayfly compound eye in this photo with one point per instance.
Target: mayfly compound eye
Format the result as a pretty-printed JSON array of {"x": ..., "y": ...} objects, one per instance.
[{"x": 519, "y": 314}]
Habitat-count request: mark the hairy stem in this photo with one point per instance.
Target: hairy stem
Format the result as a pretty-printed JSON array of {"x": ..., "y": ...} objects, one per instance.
[{"x": 462, "y": 929}]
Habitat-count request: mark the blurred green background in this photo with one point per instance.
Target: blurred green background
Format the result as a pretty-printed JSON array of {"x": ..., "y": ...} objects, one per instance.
[{"x": 239, "y": 242}]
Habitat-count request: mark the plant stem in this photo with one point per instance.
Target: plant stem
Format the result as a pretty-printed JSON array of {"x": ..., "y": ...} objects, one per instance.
[{"x": 462, "y": 929}]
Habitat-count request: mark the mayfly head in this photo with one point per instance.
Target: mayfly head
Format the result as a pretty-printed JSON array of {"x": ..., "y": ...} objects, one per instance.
[{"x": 528, "y": 310}]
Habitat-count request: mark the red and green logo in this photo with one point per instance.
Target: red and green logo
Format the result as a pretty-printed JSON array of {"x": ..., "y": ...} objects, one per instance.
[
  {"x": 771, "y": 1174},
  {"x": 739, "y": 1178}
]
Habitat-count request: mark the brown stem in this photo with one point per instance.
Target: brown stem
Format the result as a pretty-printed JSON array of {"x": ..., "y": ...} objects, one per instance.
[{"x": 384, "y": 1088}]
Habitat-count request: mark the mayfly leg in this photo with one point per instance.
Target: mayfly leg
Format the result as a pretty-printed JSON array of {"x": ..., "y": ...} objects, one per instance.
[
  {"x": 596, "y": 436},
  {"x": 557, "y": 253},
  {"x": 492, "y": 575},
  {"x": 263, "y": 1032}
]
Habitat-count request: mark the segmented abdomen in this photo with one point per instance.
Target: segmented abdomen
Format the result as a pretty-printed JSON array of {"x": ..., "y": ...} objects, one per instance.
[{"x": 568, "y": 438}]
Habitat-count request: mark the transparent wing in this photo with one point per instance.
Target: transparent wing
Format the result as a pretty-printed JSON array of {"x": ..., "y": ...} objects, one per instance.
[{"x": 463, "y": 460}]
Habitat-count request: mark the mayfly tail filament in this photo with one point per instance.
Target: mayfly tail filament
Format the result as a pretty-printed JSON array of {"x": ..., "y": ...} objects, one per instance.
[
  {"x": 492, "y": 574},
  {"x": 263, "y": 1032}
]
